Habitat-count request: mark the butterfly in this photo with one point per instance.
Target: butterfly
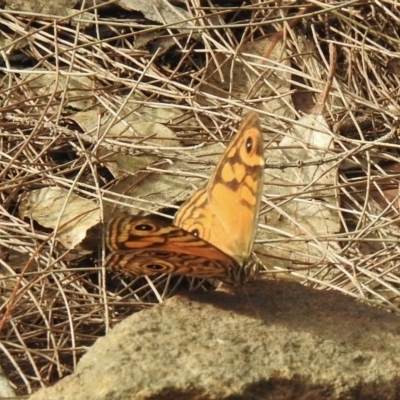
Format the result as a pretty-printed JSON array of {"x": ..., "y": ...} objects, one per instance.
[{"x": 212, "y": 234}]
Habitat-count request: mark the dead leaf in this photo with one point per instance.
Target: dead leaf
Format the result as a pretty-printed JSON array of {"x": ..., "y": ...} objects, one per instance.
[
  {"x": 45, "y": 206},
  {"x": 132, "y": 129},
  {"x": 164, "y": 13},
  {"x": 59, "y": 8},
  {"x": 12, "y": 45},
  {"x": 313, "y": 76},
  {"x": 246, "y": 75},
  {"x": 302, "y": 213},
  {"x": 160, "y": 11},
  {"x": 42, "y": 83}
]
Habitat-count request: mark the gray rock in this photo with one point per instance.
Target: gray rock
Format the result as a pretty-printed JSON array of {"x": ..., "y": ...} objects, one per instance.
[{"x": 268, "y": 340}]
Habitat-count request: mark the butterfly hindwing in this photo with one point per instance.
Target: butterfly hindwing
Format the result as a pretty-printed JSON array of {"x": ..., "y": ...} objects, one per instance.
[{"x": 149, "y": 245}]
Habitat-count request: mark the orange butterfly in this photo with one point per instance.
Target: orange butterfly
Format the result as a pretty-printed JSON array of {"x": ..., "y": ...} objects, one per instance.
[{"x": 213, "y": 232}]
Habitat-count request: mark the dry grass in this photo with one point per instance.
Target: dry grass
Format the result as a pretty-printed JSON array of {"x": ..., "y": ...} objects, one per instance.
[{"x": 113, "y": 61}]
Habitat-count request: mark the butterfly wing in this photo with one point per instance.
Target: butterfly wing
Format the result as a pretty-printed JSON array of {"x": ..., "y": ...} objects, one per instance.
[
  {"x": 214, "y": 231},
  {"x": 149, "y": 245},
  {"x": 225, "y": 212}
]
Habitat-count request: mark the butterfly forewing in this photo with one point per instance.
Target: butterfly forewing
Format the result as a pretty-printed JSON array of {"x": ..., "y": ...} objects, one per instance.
[{"x": 225, "y": 212}]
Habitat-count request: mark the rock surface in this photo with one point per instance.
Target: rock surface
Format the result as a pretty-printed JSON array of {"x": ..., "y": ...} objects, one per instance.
[{"x": 268, "y": 340}]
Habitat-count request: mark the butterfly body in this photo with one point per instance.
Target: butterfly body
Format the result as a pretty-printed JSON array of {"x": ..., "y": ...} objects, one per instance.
[{"x": 213, "y": 232}]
